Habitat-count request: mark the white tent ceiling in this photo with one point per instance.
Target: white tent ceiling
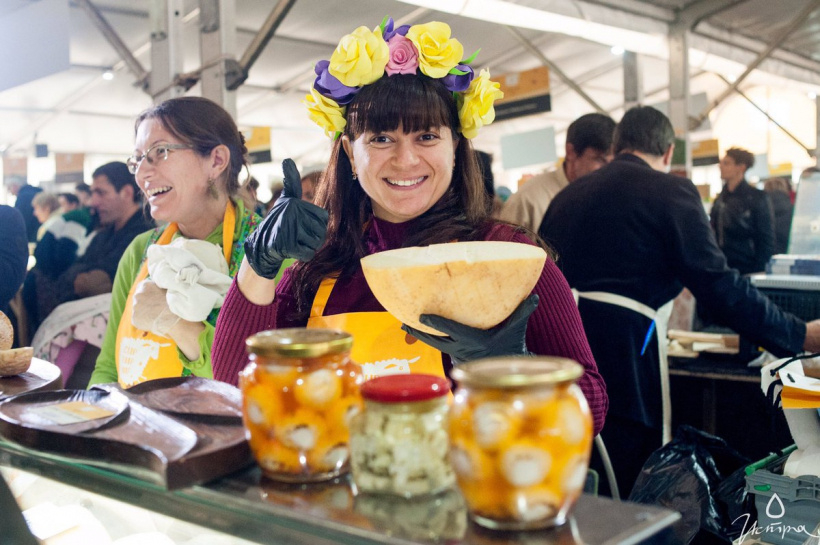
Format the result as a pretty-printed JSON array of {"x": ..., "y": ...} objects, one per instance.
[{"x": 76, "y": 110}]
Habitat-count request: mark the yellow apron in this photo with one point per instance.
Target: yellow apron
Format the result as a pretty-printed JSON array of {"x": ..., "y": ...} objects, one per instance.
[
  {"x": 379, "y": 344},
  {"x": 141, "y": 355}
]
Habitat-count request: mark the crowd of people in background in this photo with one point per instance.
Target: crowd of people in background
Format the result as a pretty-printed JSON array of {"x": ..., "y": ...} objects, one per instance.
[{"x": 609, "y": 198}]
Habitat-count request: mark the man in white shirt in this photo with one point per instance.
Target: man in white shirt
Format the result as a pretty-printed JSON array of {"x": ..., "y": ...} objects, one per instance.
[{"x": 588, "y": 148}]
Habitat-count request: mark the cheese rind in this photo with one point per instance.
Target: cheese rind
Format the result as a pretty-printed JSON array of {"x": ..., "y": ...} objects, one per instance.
[{"x": 477, "y": 283}]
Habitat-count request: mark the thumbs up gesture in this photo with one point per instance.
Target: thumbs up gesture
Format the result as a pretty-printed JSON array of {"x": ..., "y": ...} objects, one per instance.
[{"x": 292, "y": 229}]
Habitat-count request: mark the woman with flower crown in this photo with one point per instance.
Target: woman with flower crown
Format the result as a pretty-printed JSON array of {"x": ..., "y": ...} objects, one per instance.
[{"x": 401, "y": 107}]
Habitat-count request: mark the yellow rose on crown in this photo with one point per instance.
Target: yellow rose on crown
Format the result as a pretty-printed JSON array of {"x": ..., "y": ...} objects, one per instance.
[
  {"x": 325, "y": 112},
  {"x": 360, "y": 57},
  {"x": 364, "y": 56},
  {"x": 438, "y": 53},
  {"x": 475, "y": 107}
]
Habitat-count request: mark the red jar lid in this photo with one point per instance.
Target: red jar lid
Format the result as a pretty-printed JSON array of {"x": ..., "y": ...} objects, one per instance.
[{"x": 405, "y": 388}]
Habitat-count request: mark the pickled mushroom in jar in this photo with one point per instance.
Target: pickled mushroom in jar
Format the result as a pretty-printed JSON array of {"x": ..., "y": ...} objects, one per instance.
[
  {"x": 302, "y": 430},
  {"x": 534, "y": 503},
  {"x": 495, "y": 424},
  {"x": 525, "y": 465},
  {"x": 318, "y": 389}
]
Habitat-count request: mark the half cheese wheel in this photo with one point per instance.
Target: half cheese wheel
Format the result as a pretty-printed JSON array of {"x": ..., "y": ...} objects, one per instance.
[
  {"x": 15, "y": 361},
  {"x": 6, "y": 332},
  {"x": 478, "y": 284}
]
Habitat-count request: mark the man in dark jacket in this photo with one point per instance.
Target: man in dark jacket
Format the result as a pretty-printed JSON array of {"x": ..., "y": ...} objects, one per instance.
[
  {"x": 117, "y": 202},
  {"x": 742, "y": 216},
  {"x": 629, "y": 237}
]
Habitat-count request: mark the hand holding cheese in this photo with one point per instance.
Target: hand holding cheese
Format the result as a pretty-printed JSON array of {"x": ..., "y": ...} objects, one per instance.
[
  {"x": 293, "y": 228},
  {"x": 465, "y": 343}
]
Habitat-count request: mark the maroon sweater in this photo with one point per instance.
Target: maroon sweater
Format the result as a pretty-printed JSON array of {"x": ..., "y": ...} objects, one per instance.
[{"x": 554, "y": 329}]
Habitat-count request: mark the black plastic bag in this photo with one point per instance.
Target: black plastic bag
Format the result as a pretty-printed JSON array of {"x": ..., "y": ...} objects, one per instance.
[
  {"x": 737, "y": 503},
  {"x": 684, "y": 475}
]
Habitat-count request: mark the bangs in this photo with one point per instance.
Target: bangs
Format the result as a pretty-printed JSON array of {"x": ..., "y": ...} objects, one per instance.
[{"x": 417, "y": 103}]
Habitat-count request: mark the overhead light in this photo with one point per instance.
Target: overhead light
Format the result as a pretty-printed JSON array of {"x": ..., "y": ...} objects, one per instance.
[
  {"x": 507, "y": 13},
  {"x": 616, "y": 50},
  {"x": 108, "y": 75},
  {"x": 732, "y": 78},
  {"x": 812, "y": 95}
]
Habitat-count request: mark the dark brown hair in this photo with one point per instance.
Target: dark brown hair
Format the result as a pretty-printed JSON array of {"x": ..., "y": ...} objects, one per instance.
[
  {"x": 203, "y": 124},
  {"x": 741, "y": 157},
  {"x": 119, "y": 176},
  {"x": 416, "y": 103}
]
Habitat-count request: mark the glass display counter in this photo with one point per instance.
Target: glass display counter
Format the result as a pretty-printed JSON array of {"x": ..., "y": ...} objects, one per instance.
[{"x": 247, "y": 506}]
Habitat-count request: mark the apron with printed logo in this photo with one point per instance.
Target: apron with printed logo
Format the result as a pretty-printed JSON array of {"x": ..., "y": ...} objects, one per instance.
[
  {"x": 379, "y": 344},
  {"x": 661, "y": 319},
  {"x": 142, "y": 355}
]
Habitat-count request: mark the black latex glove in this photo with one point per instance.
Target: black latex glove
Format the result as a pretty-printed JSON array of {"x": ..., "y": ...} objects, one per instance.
[
  {"x": 464, "y": 343},
  {"x": 292, "y": 229}
]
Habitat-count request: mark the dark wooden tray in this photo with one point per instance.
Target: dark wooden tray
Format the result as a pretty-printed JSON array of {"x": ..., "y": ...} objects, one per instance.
[
  {"x": 41, "y": 375},
  {"x": 190, "y": 396},
  {"x": 170, "y": 448}
]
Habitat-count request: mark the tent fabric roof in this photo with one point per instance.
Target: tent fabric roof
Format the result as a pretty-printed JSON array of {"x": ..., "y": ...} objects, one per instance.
[{"x": 76, "y": 110}]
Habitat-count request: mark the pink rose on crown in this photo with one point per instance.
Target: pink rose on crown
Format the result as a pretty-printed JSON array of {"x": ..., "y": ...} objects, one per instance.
[{"x": 404, "y": 59}]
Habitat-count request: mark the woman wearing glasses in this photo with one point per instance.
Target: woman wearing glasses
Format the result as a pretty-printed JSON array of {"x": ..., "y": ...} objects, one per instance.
[{"x": 170, "y": 283}]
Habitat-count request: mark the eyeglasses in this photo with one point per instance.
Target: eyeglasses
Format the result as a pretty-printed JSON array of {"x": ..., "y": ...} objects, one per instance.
[{"x": 157, "y": 152}]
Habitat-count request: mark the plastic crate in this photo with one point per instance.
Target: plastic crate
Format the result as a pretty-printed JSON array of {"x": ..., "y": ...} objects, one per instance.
[
  {"x": 788, "y": 509},
  {"x": 804, "y": 304}
]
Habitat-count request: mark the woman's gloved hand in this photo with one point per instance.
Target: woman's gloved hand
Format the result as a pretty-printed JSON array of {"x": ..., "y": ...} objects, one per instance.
[
  {"x": 464, "y": 343},
  {"x": 292, "y": 229}
]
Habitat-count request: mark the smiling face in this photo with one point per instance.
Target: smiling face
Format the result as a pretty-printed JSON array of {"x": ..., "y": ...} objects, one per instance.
[
  {"x": 177, "y": 188},
  {"x": 404, "y": 174}
]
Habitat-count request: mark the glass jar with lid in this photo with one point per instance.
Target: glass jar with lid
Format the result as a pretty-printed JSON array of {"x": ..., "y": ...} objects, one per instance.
[
  {"x": 520, "y": 440},
  {"x": 399, "y": 442},
  {"x": 300, "y": 390}
]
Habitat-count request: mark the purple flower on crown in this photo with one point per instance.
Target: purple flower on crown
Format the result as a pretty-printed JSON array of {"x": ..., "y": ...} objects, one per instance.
[
  {"x": 327, "y": 85},
  {"x": 459, "y": 82},
  {"x": 389, "y": 32}
]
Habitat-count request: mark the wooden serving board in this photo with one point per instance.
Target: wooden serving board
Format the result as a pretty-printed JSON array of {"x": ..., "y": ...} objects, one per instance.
[
  {"x": 690, "y": 337},
  {"x": 689, "y": 344},
  {"x": 41, "y": 375},
  {"x": 174, "y": 448}
]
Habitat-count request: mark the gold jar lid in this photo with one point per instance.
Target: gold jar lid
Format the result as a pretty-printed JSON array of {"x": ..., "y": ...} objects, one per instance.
[
  {"x": 517, "y": 371},
  {"x": 299, "y": 342}
]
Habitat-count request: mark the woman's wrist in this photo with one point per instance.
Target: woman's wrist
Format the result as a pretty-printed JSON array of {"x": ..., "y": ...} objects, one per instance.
[
  {"x": 256, "y": 289},
  {"x": 186, "y": 336}
]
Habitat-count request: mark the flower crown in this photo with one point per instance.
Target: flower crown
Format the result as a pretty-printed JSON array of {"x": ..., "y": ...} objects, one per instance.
[{"x": 363, "y": 57}]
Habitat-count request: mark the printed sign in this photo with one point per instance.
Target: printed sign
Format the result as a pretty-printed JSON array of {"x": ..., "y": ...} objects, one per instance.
[
  {"x": 525, "y": 93},
  {"x": 15, "y": 170},
  {"x": 68, "y": 167},
  {"x": 257, "y": 140}
]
